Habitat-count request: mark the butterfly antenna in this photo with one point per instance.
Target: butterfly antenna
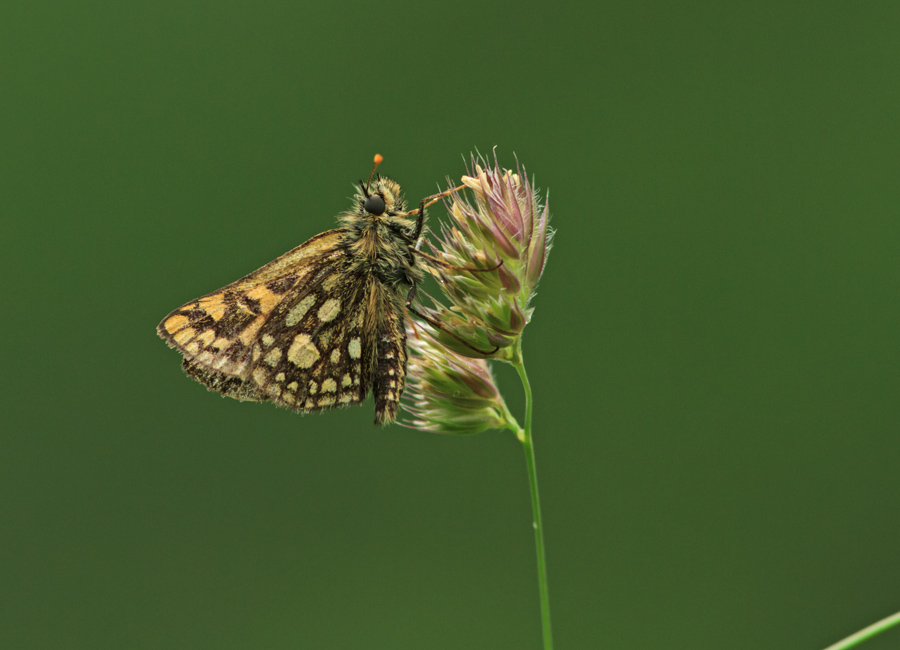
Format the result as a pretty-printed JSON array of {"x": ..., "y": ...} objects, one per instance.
[{"x": 378, "y": 159}]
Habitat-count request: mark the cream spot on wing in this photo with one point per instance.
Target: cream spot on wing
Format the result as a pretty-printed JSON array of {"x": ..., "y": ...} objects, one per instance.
[
  {"x": 309, "y": 404},
  {"x": 192, "y": 347},
  {"x": 248, "y": 335},
  {"x": 346, "y": 398},
  {"x": 335, "y": 355},
  {"x": 279, "y": 376},
  {"x": 303, "y": 351},
  {"x": 329, "y": 385},
  {"x": 326, "y": 400},
  {"x": 220, "y": 362},
  {"x": 214, "y": 306},
  {"x": 356, "y": 381},
  {"x": 185, "y": 335},
  {"x": 273, "y": 390},
  {"x": 346, "y": 381},
  {"x": 292, "y": 386},
  {"x": 268, "y": 339},
  {"x": 256, "y": 353},
  {"x": 329, "y": 310},
  {"x": 267, "y": 299},
  {"x": 313, "y": 387},
  {"x": 205, "y": 357},
  {"x": 206, "y": 337},
  {"x": 288, "y": 398},
  {"x": 298, "y": 311},
  {"x": 389, "y": 355},
  {"x": 393, "y": 384},
  {"x": 259, "y": 376},
  {"x": 273, "y": 356},
  {"x": 391, "y": 371},
  {"x": 221, "y": 343},
  {"x": 330, "y": 281},
  {"x": 354, "y": 348},
  {"x": 175, "y": 322}
]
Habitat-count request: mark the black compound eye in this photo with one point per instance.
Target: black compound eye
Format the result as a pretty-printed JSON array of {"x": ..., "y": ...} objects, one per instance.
[{"x": 374, "y": 205}]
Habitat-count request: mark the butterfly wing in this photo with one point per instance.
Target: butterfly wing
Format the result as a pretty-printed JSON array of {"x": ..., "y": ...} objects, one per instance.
[
  {"x": 314, "y": 352},
  {"x": 272, "y": 335}
]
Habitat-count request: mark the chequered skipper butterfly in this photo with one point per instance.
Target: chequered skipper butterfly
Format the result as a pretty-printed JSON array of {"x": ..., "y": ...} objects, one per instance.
[{"x": 323, "y": 324}]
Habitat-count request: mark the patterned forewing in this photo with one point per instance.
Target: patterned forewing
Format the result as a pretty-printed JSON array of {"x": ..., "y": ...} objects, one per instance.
[
  {"x": 313, "y": 353},
  {"x": 218, "y": 334}
]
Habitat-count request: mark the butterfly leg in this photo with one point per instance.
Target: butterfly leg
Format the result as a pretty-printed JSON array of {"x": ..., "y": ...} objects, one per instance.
[
  {"x": 413, "y": 290},
  {"x": 420, "y": 222},
  {"x": 428, "y": 200}
]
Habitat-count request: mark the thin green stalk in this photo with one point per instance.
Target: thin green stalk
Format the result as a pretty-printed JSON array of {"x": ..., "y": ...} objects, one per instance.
[
  {"x": 524, "y": 436},
  {"x": 866, "y": 633}
]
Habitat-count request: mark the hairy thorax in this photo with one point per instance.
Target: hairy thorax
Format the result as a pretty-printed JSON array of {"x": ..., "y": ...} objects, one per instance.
[{"x": 381, "y": 246}]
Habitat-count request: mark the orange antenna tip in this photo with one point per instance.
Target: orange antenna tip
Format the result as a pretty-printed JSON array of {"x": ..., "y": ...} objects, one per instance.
[{"x": 378, "y": 159}]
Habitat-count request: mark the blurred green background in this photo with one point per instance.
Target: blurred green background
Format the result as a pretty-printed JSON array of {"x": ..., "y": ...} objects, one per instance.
[{"x": 714, "y": 350}]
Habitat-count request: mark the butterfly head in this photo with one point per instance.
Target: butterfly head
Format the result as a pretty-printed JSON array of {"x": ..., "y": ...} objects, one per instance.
[{"x": 383, "y": 196}]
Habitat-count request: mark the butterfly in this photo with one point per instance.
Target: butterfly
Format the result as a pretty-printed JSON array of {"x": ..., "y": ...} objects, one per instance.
[{"x": 322, "y": 325}]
